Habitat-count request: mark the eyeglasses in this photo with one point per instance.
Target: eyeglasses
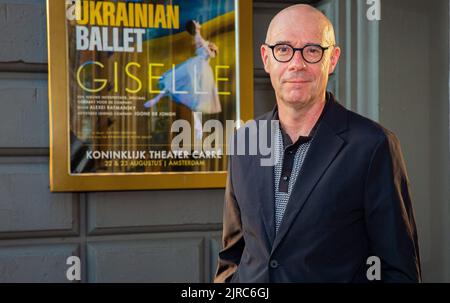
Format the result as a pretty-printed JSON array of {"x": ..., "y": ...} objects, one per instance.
[{"x": 311, "y": 53}]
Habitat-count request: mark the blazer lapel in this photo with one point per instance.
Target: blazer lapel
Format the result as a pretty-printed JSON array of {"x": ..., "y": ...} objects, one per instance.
[
  {"x": 265, "y": 181},
  {"x": 323, "y": 149},
  {"x": 267, "y": 206}
]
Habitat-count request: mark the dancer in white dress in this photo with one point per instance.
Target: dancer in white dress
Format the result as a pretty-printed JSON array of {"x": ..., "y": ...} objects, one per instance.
[{"x": 192, "y": 83}]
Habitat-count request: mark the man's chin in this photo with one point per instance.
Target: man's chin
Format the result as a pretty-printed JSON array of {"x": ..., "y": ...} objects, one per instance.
[{"x": 297, "y": 101}]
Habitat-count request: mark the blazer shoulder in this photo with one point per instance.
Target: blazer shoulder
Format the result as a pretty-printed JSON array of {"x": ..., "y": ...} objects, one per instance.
[{"x": 369, "y": 130}]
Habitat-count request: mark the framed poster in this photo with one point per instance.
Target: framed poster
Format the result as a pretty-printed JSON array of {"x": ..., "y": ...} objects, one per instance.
[{"x": 141, "y": 91}]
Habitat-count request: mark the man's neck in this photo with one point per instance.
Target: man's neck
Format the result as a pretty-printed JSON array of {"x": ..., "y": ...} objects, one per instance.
[{"x": 298, "y": 122}]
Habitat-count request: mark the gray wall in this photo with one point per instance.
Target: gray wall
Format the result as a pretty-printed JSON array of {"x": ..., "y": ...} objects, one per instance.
[
  {"x": 414, "y": 103},
  {"x": 157, "y": 236},
  {"x": 174, "y": 236}
]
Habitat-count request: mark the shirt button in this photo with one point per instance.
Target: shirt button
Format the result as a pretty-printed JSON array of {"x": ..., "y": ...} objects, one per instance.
[
  {"x": 273, "y": 263},
  {"x": 285, "y": 178}
]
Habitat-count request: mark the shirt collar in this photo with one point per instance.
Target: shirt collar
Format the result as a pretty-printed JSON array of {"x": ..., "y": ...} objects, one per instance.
[{"x": 302, "y": 139}]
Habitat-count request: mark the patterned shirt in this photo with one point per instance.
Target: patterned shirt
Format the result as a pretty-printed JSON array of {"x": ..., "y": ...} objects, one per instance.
[{"x": 286, "y": 171}]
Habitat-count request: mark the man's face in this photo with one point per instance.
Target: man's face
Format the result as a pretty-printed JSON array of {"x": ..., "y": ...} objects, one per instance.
[{"x": 298, "y": 83}]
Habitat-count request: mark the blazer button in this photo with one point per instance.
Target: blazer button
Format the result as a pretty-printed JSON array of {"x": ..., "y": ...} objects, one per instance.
[{"x": 273, "y": 263}]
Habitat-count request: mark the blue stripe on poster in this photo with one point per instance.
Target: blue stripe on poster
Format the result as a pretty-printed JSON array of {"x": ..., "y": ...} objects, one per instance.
[{"x": 199, "y": 10}]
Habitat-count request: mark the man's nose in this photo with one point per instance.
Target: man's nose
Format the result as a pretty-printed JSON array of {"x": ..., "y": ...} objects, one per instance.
[{"x": 297, "y": 62}]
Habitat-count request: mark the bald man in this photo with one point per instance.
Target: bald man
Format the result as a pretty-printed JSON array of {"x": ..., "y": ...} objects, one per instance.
[{"x": 336, "y": 205}]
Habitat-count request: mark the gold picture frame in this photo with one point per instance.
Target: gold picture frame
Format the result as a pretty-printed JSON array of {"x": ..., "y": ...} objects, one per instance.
[{"x": 62, "y": 176}]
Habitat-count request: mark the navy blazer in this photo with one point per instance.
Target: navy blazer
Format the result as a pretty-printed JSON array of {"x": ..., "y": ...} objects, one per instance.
[{"x": 351, "y": 201}]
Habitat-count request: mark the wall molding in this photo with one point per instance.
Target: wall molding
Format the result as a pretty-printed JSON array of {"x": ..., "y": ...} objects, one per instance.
[
  {"x": 23, "y": 67},
  {"x": 103, "y": 231}
]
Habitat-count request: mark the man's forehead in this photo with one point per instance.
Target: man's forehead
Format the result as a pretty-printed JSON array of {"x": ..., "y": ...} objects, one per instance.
[
  {"x": 296, "y": 35},
  {"x": 299, "y": 22}
]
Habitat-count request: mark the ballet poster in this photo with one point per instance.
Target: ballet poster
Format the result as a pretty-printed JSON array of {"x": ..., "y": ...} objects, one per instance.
[{"x": 151, "y": 86}]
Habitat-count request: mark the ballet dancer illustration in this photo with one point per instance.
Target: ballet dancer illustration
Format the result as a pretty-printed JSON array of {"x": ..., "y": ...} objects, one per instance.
[{"x": 191, "y": 82}]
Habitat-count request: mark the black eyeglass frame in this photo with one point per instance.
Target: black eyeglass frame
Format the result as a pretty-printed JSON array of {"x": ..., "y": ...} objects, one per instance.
[{"x": 297, "y": 49}]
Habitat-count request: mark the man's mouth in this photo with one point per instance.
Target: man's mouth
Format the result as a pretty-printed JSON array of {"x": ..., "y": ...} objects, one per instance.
[{"x": 296, "y": 81}]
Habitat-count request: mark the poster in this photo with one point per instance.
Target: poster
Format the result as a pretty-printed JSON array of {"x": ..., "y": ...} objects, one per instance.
[{"x": 150, "y": 88}]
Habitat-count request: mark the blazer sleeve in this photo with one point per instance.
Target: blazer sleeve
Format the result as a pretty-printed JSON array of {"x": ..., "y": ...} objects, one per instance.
[
  {"x": 389, "y": 214},
  {"x": 232, "y": 237}
]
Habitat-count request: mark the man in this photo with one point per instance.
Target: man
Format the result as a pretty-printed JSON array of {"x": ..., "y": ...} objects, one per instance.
[{"x": 338, "y": 196}]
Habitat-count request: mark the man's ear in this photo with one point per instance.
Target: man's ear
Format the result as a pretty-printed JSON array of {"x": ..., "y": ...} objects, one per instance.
[
  {"x": 265, "y": 52},
  {"x": 334, "y": 59}
]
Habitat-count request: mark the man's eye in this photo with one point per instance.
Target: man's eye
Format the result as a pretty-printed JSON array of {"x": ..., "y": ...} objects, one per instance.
[
  {"x": 283, "y": 49},
  {"x": 313, "y": 51}
]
